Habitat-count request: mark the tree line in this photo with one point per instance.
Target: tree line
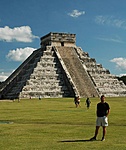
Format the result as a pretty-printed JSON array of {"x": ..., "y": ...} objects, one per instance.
[{"x": 123, "y": 78}]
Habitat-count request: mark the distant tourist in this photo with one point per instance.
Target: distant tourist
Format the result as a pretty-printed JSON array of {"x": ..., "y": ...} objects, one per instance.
[
  {"x": 88, "y": 102},
  {"x": 103, "y": 111},
  {"x": 18, "y": 99},
  {"x": 40, "y": 97},
  {"x": 77, "y": 101}
]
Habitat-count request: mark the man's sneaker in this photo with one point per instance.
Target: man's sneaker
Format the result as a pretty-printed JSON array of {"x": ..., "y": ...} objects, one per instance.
[
  {"x": 103, "y": 139},
  {"x": 93, "y": 139}
]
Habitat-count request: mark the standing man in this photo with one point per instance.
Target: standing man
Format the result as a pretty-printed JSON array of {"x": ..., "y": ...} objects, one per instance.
[{"x": 103, "y": 111}]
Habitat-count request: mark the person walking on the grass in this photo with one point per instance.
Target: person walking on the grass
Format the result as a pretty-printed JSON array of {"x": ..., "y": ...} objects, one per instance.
[
  {"x": 77, "y": 101},
  {"x": 103, "y": 111},
  {"x": 88, "y": 102}
]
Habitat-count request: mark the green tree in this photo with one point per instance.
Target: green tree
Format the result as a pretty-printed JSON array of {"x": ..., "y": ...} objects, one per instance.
[{"x": 123, "y": 78}]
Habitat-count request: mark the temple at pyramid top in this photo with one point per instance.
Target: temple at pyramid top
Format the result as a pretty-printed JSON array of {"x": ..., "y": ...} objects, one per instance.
[
  {"x": 60, "y": 69},
  {"x": 58, "y": 39}
]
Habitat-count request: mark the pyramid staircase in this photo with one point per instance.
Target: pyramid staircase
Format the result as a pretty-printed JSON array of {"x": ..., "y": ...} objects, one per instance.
[
  {"x": 77, "y": 72},
  {"x": 104, "y": 82},
  {"x": 48, "y": 78},
  {"x": 42, "y": 75}
]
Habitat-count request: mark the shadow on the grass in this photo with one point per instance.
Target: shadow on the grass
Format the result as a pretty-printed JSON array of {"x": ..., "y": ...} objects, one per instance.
[{"x": 76, "y": 141}]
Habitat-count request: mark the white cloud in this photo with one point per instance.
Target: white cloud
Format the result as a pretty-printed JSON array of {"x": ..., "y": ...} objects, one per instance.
[
  {"x": 4, "y": 75},
  {"x": 122, "y": 75},
  {"x": 3, "y": 78},
  {"x": 115, "y": 39},
  {"x": 75, "y": 13},
  {"x": 20, "y": 54},
  {"x": 20, "y": 34},
  {"x": 110, "y": 21},
  {"x": 120, "y": 63}
]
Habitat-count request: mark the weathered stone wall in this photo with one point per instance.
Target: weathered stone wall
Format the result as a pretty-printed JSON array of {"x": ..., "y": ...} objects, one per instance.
[
  {"x": 47, "y": 79},
  {"x": 105, "y": 82},
  {"x": 58, "y": 39},
  {"x": 15, "y": 82}
]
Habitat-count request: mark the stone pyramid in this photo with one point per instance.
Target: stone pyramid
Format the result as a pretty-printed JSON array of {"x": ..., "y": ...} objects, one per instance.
[{"x": 60, "y": 69}]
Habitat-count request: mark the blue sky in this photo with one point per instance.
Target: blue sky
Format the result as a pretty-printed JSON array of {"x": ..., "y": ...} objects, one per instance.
[{"x": 99, "y": 25}]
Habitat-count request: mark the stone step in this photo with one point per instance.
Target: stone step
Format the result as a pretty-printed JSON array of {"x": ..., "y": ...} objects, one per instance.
[
  {"x": 78, "y": 74},
  {"x": 105, "y": 82}
]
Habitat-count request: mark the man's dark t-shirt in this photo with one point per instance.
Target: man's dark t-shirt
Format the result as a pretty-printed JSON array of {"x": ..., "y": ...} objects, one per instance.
[{"x": 102, "y": 109}]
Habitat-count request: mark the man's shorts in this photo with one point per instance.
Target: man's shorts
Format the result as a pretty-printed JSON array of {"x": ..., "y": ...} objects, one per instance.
[{"x": 102, "y": 121}]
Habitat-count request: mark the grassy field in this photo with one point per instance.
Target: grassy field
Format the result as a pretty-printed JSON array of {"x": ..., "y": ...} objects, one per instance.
[{"x": 55, "y": 124}]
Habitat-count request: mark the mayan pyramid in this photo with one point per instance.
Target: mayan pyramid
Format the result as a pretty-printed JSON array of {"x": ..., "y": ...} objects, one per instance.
[{"x": 60, "y": 69}]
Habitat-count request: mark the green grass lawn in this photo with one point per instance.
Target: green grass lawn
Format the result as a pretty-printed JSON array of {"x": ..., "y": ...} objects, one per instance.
[{"x": 55, "y": 124}]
